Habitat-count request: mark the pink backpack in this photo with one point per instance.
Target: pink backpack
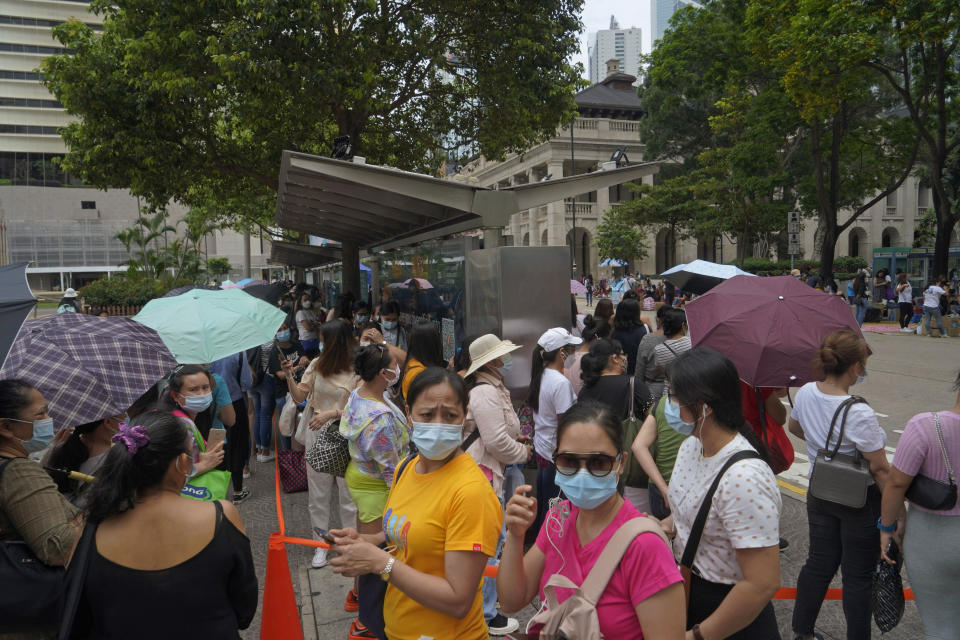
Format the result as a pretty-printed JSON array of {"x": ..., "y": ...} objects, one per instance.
[{"x": 576, "y": 617}]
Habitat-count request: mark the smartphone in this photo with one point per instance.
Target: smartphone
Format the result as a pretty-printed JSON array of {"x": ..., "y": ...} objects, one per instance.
[
  {"x": 324, "y": 535},
  {"x": 215, "y": 437}
]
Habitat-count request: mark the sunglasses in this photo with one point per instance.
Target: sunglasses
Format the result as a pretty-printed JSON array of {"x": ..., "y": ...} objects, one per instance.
[{"x": 597, "y": 464}]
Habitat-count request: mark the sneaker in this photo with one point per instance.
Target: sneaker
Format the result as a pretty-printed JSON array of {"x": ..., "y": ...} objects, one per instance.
[
  {"x": 501, "y": 625},
  {"x": 246, "y": 473},
  {"x": 784, "y": 543},
  {"x": 906, "y": 330},
  {"x": 240, "y": 496},
  {"x": 267, "y": 456},
  {"x": 319, "y": 558},
  {"x": 353, "y": 602},
  {"x": 359, "y": 632}
]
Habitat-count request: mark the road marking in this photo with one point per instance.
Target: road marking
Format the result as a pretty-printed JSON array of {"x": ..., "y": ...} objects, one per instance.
[
  {"x": 790, "y": 487},
  {"x": 898, "y": 430},
  {"x": 881, "y": 415}
]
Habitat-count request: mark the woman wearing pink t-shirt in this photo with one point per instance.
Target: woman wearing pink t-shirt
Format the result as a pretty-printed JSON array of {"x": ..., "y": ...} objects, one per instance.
[
  {"x": 646, "y": 587},
  {"x": 931, "y": 538}
]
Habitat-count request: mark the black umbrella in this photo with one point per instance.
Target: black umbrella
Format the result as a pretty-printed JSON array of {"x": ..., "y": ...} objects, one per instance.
[
  {"x": 266, "y": 292},
  {"x": 16, "y": 302}
]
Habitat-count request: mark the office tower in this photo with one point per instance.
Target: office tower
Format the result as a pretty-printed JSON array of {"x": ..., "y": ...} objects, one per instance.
[
  {"x": 606, "y": 44},
  {"x": 662, "y": 11}
]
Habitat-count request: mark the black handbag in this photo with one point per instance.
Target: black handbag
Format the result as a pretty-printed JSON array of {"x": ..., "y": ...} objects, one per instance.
[
  {"x": 887, "y": 593},
  {"x": 932, "y": 494},
  {"x": 32, "y": 590},
  {"x": 371, "y": 589},
  {"x": 838, "y": 477}
]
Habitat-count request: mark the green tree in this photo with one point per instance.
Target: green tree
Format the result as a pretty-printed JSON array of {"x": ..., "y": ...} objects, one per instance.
[
  {"x": 173, "y": 96},
  {"x": 912, "y": 45},
  {"x": 619, "y": 238},
  {"x": 860, "y": 150},
  {"x": 713, "y": 106},
  {"x": 142, "y": 242},
  {"x": 218, "y": 267}
]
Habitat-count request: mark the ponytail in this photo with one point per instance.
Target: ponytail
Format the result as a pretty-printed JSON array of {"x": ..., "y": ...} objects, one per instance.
[
  {"x": 124, "y": 476},
  {"x": 70, "y": 455},
  {"x": 541, "y": 359}
]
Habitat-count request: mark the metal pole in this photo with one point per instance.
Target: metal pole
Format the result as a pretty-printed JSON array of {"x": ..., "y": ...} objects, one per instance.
[{"x": 573, "y": 206}]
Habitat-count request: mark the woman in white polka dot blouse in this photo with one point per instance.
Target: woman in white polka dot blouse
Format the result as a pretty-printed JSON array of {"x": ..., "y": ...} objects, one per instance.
[{"x": 736, "y": 569}]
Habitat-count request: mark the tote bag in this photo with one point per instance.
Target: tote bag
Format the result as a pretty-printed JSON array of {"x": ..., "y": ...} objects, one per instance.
[{"x": 209, "y": 486}]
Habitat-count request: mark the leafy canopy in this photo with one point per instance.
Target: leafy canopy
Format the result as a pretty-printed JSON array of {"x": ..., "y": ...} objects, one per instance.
[{"x": 195, "y": 101}]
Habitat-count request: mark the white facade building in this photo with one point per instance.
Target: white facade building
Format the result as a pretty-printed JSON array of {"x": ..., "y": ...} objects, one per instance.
[
  {"x": 48, "y": 218},
  {"x": 606, "y": 44}
]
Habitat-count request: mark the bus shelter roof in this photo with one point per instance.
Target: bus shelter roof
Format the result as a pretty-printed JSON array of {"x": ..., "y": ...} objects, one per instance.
[
  {"x": 304, "y": 255},
  {"x": 377, "y": 208}
]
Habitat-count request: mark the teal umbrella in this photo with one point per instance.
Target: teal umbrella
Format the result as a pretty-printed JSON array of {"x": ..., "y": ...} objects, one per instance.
[{"x": 202, "y": 326}]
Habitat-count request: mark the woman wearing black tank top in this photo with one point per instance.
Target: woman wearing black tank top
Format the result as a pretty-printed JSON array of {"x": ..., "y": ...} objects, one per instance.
[{"x": 159, "y": 563}]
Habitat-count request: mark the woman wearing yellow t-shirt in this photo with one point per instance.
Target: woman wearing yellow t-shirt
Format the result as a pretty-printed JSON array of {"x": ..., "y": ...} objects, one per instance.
[
  {"x": 442, "y": 519},
  {"x": 424, "y": 349}
]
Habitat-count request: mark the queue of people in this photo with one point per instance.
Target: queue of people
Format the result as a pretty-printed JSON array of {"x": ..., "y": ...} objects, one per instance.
[{"x": 435, "y": 489}]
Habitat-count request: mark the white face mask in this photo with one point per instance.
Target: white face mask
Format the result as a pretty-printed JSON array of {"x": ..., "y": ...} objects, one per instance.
[{"x": 393, "y": 377}]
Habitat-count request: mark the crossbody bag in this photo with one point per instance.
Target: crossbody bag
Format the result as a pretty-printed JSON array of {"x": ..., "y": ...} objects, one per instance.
[
  {"x": 839, "y": 477},
  {"x": 932, "y": 494}
]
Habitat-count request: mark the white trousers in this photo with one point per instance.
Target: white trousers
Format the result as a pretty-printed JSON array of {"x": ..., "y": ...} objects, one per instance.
[
  {"x": 319, "y": 488},
  {"x": 639, "y": 498}
]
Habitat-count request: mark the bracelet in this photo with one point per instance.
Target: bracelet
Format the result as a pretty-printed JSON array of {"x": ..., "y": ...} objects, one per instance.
[
  {"x": 886, "y": 529},
  {"x": 696, "y": 632}
]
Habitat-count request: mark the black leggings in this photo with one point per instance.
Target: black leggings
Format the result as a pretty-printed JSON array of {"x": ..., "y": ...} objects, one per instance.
[
  {"x": 906, "y": 312},
  {"x": 237, "y": 447},
  {"x": 705, "y": 598}
]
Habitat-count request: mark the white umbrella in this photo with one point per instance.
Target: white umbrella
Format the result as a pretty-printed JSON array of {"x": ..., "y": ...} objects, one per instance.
[{"x": 700, "y": 276}]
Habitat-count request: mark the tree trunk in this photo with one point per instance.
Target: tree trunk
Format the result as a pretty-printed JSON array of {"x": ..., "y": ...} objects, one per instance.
[
  {"x": 941, "y": 248},
  {"x": 743, "y": 246},
  {"x": 827, "y": 251}
]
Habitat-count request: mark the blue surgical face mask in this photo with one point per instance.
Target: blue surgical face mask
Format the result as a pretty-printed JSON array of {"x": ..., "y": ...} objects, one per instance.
[
  {"x": 436, "y": 441},
  {"x": 507, "y": 364},
  {"x": 283, "y": 336},
  {"x": 320, "y": 348},
  {"x": 585, "y": 490},
  {"x": 197, "y": 403},
  {"x": 672, "y": 413},
  {"x": 389, "y": 325},
  {"x": 861, "y": 377},
  {"x": 362, "y": 318},
  {"x": 42, "y": 434}
]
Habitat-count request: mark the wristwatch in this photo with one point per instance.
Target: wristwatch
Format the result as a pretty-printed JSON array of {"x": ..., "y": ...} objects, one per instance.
[
  {"x": 886, "y": 529},
  {"x": 385, "y": 573},
  {"x": 696, "y": 632}
]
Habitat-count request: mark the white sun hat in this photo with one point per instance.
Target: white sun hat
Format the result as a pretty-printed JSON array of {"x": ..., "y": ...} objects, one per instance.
[
  {"x": 70, "y": 293},
  {"x": 488, "y": 348},
  {"x": 557, "y": 338}
]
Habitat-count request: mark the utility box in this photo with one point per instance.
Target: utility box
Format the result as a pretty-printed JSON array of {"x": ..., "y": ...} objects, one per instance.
[{"x": 517, "y": 293}]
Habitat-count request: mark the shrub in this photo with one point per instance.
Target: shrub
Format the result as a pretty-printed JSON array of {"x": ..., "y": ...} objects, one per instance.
[{"x": 125, "y": 290}]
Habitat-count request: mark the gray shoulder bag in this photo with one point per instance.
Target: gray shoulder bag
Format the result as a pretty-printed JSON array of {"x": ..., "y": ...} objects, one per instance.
[{"x": 838, "y": 477}]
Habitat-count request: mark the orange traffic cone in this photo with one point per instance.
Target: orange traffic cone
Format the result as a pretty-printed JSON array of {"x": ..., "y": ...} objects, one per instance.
[{"x": 280, "y": 619}]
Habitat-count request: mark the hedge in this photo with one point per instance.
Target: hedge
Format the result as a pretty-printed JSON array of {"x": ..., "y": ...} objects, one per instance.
[
  {"x": 125, "y": 290},
  {"x": 842, "y": 266}
]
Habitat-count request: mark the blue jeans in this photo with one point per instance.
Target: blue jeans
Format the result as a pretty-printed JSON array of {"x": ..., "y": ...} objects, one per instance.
[
  {"x": 264, "y": 402},
  {"x": 861, "y": 311},
  {"x": 286, "y": 442},
  {"x": 589, "y": 296},
  {"x": 933, "y": 313},
  {"x": 512, "y": 478}
]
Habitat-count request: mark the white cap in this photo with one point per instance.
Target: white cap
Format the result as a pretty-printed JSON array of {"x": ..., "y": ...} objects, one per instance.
[
  {"x": 70, "y": 293},
  {"x": 488, "y": 348},
  {"x": 557, "y": 338}
]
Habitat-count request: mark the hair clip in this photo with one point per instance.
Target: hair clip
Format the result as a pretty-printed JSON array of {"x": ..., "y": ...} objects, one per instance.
[{"x": 133, "y": 438}]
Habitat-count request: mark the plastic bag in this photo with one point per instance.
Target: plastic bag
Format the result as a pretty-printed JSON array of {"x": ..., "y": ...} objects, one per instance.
[{"x": 888, "y": 590}]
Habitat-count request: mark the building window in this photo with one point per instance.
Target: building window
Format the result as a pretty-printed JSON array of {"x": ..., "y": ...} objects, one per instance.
[
  {"x": 88, "y": 204},
  {"x": 20, "y": 75}
]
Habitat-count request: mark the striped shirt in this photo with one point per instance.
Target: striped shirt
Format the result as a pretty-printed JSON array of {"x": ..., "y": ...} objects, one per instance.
[
  {"x": 667, "y": 351},
  {"x": 919, "y": 450}
]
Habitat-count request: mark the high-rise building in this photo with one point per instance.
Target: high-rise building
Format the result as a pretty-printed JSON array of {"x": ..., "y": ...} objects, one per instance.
[
  {"x": 63, "y": 228},
  {"x": 607, "y": 44},
  {"x": 663, "y": 10}
]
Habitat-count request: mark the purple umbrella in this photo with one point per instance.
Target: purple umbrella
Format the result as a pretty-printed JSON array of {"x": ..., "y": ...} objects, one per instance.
[
  {"x": 577, "y": 287},
  {"x": 770, "y": 327},
  {"x": 87, "y": 368}
]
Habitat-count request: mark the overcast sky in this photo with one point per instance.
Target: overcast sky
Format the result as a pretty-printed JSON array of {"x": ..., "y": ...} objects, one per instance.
[{"x": 629, "y": 13}]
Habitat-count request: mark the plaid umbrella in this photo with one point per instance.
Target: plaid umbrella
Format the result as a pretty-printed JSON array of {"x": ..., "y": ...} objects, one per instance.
[
  {"x": 16, "y": 303},
  {"x": 87, "y": 368},
  {"x": 190, "y": 287}
]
